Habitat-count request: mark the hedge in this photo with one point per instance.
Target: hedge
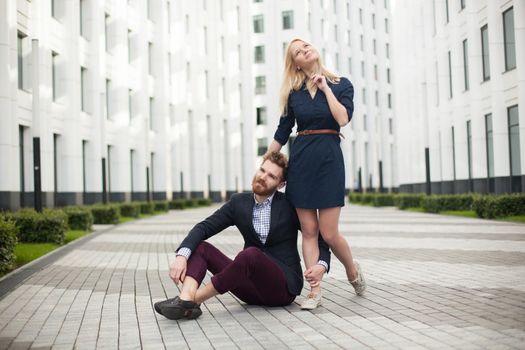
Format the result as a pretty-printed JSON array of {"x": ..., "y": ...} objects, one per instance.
[
  {"x": 8, "y": 234},
  {"x": 161, "y": 205},
  {"x": 204, "y": 202},
  {"x": 130, "y": 210},
  {"x": 499, "y": 206},
  {"x": 177, "y": 204},
  {"x": 79, "y": 218},
  {"x": 437, "y": 203},
  {"x": 405, "y": 200},
  {"x": 49, "y": 226},
  {"x": 383, "y": 200},
  {"x": 146, "y": 207},
  {"x": 105, "y": 214}
]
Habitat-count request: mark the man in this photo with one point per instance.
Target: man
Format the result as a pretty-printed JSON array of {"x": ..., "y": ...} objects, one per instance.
[{"x": 267, "y": 271}]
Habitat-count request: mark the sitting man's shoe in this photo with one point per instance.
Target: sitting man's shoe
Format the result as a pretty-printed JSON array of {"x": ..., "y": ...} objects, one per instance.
[
  {"x": 359, "y": 283},
  {"x": 176, "y": 309},
  {"x": 158, "y": 304},
  {"x": 311, "y": 302}
]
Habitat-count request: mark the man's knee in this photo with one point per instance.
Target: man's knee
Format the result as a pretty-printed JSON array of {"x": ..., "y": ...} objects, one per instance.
[
  {"x": 249, "y": 254},
  {"x": 202, "y": 248}
]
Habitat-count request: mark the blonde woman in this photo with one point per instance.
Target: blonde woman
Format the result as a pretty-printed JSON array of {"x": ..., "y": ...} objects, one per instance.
[{"x": 321, "y": 103}]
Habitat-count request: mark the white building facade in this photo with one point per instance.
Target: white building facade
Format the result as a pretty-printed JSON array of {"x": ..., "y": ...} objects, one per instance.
[
  {"x": 460, "y": 94},
  {"x": 131, "y": 99}
]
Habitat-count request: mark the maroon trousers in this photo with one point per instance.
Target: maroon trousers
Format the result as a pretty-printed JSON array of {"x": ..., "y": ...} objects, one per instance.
[{"x": 252, "y": 276}]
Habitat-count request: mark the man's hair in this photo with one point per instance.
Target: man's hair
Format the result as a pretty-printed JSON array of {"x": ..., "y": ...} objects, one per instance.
[{"x": 278, "y": 159}]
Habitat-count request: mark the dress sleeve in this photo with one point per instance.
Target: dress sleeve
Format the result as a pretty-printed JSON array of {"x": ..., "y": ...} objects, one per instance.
[
  {"x": 286, "y": 124},
  {"x": 346, "y": 96}
]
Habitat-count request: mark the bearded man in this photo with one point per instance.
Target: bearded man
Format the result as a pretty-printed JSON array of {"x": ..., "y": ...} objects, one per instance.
[{"x": 267, "y": 271}]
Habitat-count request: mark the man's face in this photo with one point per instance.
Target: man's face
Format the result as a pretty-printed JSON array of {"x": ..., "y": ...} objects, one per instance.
[{"x": 267, "y": 179}]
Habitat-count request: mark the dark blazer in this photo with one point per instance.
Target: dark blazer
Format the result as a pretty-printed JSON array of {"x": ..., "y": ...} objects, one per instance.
[{"x": 281, "y": 244}]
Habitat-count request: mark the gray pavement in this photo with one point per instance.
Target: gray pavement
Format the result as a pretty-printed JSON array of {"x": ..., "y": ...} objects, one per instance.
[{"x": 435, "y": 282}]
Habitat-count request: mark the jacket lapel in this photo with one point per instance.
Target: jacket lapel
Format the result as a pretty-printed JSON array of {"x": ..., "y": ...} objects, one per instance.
[{"x": 247, "y": 209}]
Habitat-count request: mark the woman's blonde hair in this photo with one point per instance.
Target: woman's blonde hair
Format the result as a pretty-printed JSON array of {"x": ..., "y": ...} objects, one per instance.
[{"x": 294, "y": 78}]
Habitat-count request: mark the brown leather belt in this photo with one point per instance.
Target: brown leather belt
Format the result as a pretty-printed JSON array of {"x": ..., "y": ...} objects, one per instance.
[{"x": 319, "y": 132}]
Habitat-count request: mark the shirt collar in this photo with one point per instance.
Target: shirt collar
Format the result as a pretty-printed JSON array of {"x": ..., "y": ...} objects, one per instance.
[{"x": 267, "y": 201}]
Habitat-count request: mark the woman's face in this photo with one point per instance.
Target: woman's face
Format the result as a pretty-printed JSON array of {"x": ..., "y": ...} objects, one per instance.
[{"x": 303, "y": 54}]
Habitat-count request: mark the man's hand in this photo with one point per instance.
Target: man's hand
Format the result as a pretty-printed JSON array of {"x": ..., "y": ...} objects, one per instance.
[
  {"x": 314, "y": 275},
  {"x": 178, "y": 269}
]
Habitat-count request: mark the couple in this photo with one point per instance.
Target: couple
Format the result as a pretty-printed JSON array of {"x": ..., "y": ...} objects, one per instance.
[{"x": 320, "y": 103}]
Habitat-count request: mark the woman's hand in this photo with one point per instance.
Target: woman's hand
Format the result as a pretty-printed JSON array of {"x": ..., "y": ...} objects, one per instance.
[
  {"x": 320, "y": 81},
  {"x": 314, "y": 275}
]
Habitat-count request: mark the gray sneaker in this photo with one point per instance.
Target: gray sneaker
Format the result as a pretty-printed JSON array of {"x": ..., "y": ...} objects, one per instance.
[
  {"x": 311, "y": 302},
  {"x": 359, "y": 283}
]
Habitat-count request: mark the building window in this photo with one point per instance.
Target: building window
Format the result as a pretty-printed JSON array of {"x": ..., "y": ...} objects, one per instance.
[
  {"x": 386, "y": 26},
  {"x": 469, "y": 149},
  {"x": 84, "y": 166},
  {"x": 373, "y": 21},
  {"x": 390, "y": 126},
  {"x": 54, "y": 72},
  {"x": 349, "y": 66},
  {"x": 207, "y": 84},
  {"x": 258, "y": 24},
  {"x": 489, "y": 145},
  {"x": 450, "y": 74},
  {"x": 261, "y": 116},
  {"x": 260, "y": 85},
  {"x": 389, "y": 96},
  {"x": 362, "y": 42},
  {"x": 335, "y": 33},
  {"x": 21, "y": 49},
  {"x": 131, "y": 168},
  {"x": 364, "y": 122},
  {"x": 387, "y": 49},
  {"x": 465, "y": 63},
  {"x": 388, "y": 75},
  {"x": 129, "y": 45},
  {"x": 83, "y": 89},
  {"x": 364, "y": 96},
  {"x": 151, "y": 114},
  {"x": 375, "y": 71},
  {"x": 259, "y": 54},
  {"x": 360, "y": 16},
  {"x": 377, "y": 98},
  {"x": 374, "y": 46},
  {"x": 21, "y": 160},
  {"x": 485, "y": 52},
  {"x": 348, "y": 11},
  {"x": 205, "y": 39},
  {"x": 187, "y": 23},
  {"x": 508, "y": 37},
  {"x": 462, "y": 3},
  {"x": 82, "y": 22},
  {"x": 130, "y": 104},
  {"x": 55, "y": 164},
  {"x": 514, "y": 141},
  {"x": 363, "y": 69},
  {"x": 287, "y": 19},
  {"x": 453, "y": 154},
  {"x": 446, "y": 10},
  {"x": 108, "y": 98},
  {"x": 262, "y": 146},
  {"x": 348, "y": 40},
  {"x": 106, "y": 31},
  {"x": 150, "y": 58},
  {"x": 110, "y": 151}
]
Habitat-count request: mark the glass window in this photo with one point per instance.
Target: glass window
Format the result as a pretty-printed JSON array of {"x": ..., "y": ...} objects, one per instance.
[
  {"x": 262, "y": 146},
  {"x": 151, "y": 121},
  {"x": 108, "y": 98},
  {"x": 360, "y": 16},
  {"x": 469, "y": 149},
  {"x": 446, "y": 10},
  {"x": 514, "y": 141},
  {"x": 258, "y": 24},
  {"x": 465, "y": 63},
  {"x": 388, "y": 75},
  {"x": 129, "y": 45},
  {"x": 54, "y": 72},
  {"x": 150, "y": 58},
  {"x": 287, "y": 19},
  {"x": 20, "y": 49},
  {"x": 462, "y": 3},
  {"x": 364, "y": 122},
  {"x": 364, "y": 95},
  {"x": 259, "y": 54},
  {"x": 489, "y": 144},
  {"x": 453, "y": 154},
  {"x": 363, "y": 69},
  {"x": 390, "y": 126},
  {"x": 450, "y": 74},
  {"x": 261, "y": 116},
  {"x": 508, "y": 36},
  {"x": 260, "y": 85},
  {"x": 389, "y": 96},
  {"x": 130, "y": 104},
  {"x": 485, "y": 52},
  {"x": 106, "y": 31}
]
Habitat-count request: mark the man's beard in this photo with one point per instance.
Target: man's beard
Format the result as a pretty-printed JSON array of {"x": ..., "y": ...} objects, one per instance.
[{"x": 260, "y": 188}]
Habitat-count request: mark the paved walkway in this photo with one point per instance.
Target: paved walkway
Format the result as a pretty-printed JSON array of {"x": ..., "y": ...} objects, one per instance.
[{"x": 435, "y": 282}]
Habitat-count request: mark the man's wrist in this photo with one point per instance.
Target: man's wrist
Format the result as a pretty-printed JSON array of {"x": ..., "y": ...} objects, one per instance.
[
  {"x": 185, "y": 252},
  {"x": 323, "y": 264}
]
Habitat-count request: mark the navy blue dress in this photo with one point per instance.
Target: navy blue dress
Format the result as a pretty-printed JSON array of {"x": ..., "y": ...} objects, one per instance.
[{"x": 316, "y": 170}]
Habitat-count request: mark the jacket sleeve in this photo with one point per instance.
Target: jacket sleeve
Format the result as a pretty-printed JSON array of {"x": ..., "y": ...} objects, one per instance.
[
  {"x": 218, "y": 221},
  {"x": 346, "y": 96},
  {"x": 324, "y": 251},
  {"x": 286, "y": 124}
]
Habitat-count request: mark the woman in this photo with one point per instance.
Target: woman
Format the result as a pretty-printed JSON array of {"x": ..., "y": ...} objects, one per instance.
[{"x": 321, "y": 103}]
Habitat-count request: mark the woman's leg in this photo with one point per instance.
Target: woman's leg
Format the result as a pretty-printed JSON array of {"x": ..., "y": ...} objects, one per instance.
[
  {"x": 329, "y": 227},
  {"x": 310, "y": 232}
]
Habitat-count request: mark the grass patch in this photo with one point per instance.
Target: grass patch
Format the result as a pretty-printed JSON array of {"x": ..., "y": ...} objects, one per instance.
[
  {"x": 27, "y": 252},
  {"x": 517, "y": 218},
  {"x": 465, "y": 213},
  {"x": 71, "y": 235}
]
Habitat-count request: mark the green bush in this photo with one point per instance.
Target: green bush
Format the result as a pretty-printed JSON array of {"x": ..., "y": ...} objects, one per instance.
[
  {"x": 177, "y": 204},
  {"x": 203, "y": 202},
  {"x": 105, "y": 214},
  {"x": 146, "y": 207},
  {"x": 490, "y": 207},
  {"x": 79, "y": 218},
  {"x": 368, "y": 198},
  {"x": 161, "y": 205},
  {"x": 406, "y": 200},
  {"x": 8, "y": 234},
  {"x": 191, "y": 203},
  {"x": 383, "y": 200},
  {"x": 438, "y": 203},
  {"x": 354, "y": 197},
  {"x": 131, "y": 210},
  {"x": 49, "y": 226}
]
